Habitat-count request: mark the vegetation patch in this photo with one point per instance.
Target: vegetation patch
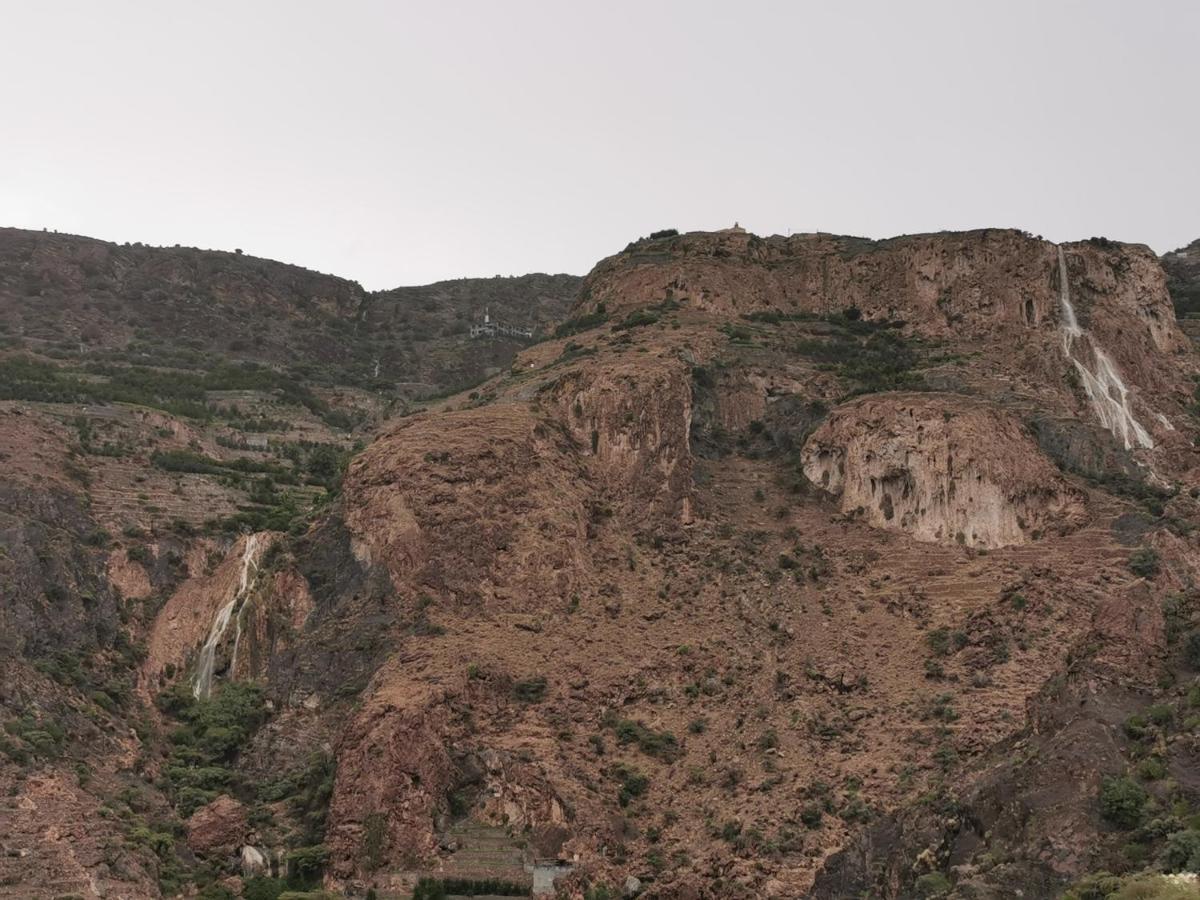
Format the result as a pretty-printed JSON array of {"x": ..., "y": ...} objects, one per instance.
[
  {"x": 585, "y": 322},
  {"x": 205, "y": 745},
  {"x": 660, "y": 744},
  {"x": 441, "y": 888}
]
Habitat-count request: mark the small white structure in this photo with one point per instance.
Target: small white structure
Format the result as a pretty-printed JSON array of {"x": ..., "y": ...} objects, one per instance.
[{"x": 491, "y": 328}]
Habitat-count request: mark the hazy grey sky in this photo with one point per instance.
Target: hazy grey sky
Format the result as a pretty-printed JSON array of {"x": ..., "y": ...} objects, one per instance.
[{"x": 399, "y": 143}]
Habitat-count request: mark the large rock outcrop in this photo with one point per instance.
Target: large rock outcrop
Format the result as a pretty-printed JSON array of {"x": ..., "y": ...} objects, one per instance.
[
  {"x": 218, "y": 828},
  {"x": 995, "y": 290},
  {"x": 940, "y": 468}
]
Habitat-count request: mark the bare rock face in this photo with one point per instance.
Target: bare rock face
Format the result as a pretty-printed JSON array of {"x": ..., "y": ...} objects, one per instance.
[
  {"x": 219, "y": 828},
  {"x": 440, "y": 503},
  {"x": 943, "y": 469},
  {"x": 633, "y": 420},
  {"x": 978, "y": 280},
  {"x": 394, "y": 763},
  {"x": 128, "y": 576},
  {"x": 996, "y": 288},
  {"x": 188, "y": 616}
]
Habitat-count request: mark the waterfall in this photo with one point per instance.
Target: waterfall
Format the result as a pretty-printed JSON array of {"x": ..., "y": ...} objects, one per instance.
[
  {"x": 1102, "y": 383},
  {"x": 202, "y": 684}
]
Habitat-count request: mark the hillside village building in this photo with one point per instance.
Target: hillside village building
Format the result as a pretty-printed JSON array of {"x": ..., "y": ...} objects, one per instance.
[{"x": 491, "y": 328}]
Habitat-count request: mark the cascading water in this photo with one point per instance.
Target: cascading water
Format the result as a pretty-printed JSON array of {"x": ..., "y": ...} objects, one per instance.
[
  {"x": 1102, "y": 383},
  {"x": 202, "y": 684}
]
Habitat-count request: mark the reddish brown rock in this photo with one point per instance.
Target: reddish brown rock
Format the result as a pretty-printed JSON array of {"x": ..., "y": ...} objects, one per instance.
[
  {"x": 942, "y": 468},
  {"x": 218, "y": 829}
]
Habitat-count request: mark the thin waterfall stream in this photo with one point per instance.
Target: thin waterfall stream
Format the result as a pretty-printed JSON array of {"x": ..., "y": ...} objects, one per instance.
[
  {"x": 1102, "y": 383},
  {"x": 202, "y": 684}
]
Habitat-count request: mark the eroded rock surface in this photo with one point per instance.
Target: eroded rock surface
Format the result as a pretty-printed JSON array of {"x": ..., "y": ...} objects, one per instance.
[{"x": 942, "y": 469}]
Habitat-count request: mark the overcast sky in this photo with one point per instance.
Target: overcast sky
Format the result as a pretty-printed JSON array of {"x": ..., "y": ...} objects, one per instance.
[{"x": 401, "y": 143}]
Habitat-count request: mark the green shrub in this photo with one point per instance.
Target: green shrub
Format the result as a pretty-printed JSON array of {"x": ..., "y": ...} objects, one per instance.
[
  {"x": 870, "y": 355},
  {"x": 1144, "y": 562},
  {"x": 1182, "y": 852},
  {"x": 1191, "y": 650},
  {"x": 1122, "y": 802},
  {"x": 637, "y": 319},
  {"x": 1097, "y": 886},
  {"x": 160, "y": 843},
  {"x": 1160, "y": 714},
  {"x": 1152, "y": 768},
  {"x": 44, "y": 738},
  {"x": 214, "y": 730},
  {"x": 14, "y": 751},
  {"x": 633, "y": 783},
  {"x": 586, "y": 322},
  {"x": 1152, "y": 887},
  {"x": 429, "y": 889},
  {"x": 943, "y": 641},
  {"x": 1136, "y": 727},
  {"x": 530, "y": 691},
  {"x": 97, "y": 538},
  {"x": 661, "y": 744},
  {"x": 307, "y": 863},
  {"x": 933, "y": 884},
  {"x": 440, "y": 888},
  {"x": 308, "y": 791},
  {"x": 811, "y": 815}
]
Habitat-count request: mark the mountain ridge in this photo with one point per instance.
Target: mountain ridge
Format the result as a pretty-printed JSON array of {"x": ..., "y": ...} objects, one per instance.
[{"x": 778, "y": 569}]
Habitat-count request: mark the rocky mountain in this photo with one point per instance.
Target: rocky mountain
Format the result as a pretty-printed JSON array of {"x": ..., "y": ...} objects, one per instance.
[
  {"x": 1183, "y": 281},
  {"x": 76, "y": 299},
  {"x": 782, "y": 567},
  {"x": 155, "y": 403}
]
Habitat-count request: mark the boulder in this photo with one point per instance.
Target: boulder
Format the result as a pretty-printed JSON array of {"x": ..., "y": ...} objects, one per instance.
[
  {"x": 254, "y": 862},
  {"x": 218, "y": 828}
]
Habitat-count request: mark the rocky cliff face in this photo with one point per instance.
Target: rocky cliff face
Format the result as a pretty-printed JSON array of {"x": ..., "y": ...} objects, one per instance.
[
  {"x": 942, "y": 469},
  {"x": 577, "y": 502},
  {"x": 800, "y": 566}
]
